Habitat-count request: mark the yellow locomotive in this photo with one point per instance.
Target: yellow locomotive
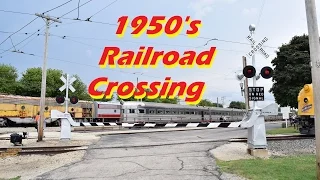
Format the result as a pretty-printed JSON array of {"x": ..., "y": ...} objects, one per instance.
[
  {"x": 306, "y": 110},
  {"x": 22, "y": 110}
]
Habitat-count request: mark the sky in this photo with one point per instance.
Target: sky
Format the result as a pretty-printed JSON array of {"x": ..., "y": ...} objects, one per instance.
[{"x": 76, "y": 46}]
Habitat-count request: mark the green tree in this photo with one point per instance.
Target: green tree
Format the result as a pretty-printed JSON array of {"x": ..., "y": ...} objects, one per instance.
[
  {"x": 30, "y": 84},
  {"x": 237, "y": 105},
  {"x": 208, "y": 103},
  {"x": 8, "y": 79},
  {"x": 292, "y": 71}
]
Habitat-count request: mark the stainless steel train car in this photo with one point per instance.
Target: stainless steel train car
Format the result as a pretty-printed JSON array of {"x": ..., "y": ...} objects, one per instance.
[
  {"x": 163, "y": 112},
  {"x": 135, "y": 112}
]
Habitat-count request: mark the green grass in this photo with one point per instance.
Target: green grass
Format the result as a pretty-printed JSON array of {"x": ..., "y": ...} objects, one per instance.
[
  {"x": 276, "y": 168},
  {"x": 289, "y": 130},
  {"x": 15, "y": 178}
]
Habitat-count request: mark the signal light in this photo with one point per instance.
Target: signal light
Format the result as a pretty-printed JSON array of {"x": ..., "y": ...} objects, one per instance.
[
  {"x": 73, "y": 100},
  {"x": 60, "y": 99},
  {"x": 249, "y": 71},
  {"x": 266, "y": 72}
]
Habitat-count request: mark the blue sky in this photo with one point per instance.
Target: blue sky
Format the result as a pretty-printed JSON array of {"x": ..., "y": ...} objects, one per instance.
[{"x": 226, "y": 20}]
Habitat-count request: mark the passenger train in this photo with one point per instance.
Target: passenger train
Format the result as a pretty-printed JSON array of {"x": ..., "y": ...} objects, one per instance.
[{"x": 21, "y": 111}]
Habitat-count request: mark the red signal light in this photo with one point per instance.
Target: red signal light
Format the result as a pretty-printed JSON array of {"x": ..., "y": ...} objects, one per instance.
[
  {"x": 74, "y": 100},
  {"x": 249, "y": 71},
  {"x": 266, "y": 72},
  {"x": 60, "y": 99}
]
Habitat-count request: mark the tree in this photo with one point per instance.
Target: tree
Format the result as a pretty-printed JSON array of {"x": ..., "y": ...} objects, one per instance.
[
  {"x": 237, "y": 105},
  {"x": 208, "y": 103},
  {"x": 292, "y": 71},
  {"x": 8, "y": 79},
  {"x": 30, "y": 84}
]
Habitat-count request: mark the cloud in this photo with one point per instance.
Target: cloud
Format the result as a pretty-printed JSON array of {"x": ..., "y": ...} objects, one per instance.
[
  {"x": 204, "y": 7},
  {"x": 250, "y": 11}
]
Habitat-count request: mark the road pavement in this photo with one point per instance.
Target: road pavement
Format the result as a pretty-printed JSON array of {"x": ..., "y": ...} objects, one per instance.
[{"x": 159, "y": 155}]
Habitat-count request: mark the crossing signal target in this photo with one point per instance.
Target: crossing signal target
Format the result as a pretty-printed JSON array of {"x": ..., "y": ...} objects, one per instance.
[
  {"x": 266, "y": 72},
  {"x": 74, "y": 100},
  {"x": 249, "y": 71},
  {"x": 60, "y": 99}
]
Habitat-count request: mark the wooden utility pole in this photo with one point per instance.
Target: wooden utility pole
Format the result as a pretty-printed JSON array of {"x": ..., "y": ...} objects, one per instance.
[
  {"x": 244, "y": 60},
  {"x": 315, "y": 70},
  {"x": 44, "y": 76}
]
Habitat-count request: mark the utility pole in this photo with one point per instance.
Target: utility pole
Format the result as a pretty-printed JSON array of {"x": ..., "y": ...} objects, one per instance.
[
  {"x": 315, "y": 70},
  {"x": 217, "y": 101},
  {"x": 244, "y": 59},
  {"x": 44, "y": 76}
]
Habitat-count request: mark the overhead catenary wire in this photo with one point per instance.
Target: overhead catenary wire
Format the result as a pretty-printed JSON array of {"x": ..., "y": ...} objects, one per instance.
[
  {"x": 57, "y": 7},
  {"x": 43, "y": 27},
  {"x": 88, "y": 19}
]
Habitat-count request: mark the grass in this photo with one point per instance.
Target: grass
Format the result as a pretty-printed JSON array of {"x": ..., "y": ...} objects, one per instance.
[
  {"x": 15, "y": 178},
  {"x": 276, "y": 168},
  {"x": 289, "y": 130}
]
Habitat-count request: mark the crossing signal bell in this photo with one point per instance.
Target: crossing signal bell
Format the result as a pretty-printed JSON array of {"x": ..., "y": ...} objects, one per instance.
[
  {"x": 249, "y": 71},
  {"x": 60, "y": 99},
  {"x": 74, "y": 100},
  {"x": 266, "y": 72}
]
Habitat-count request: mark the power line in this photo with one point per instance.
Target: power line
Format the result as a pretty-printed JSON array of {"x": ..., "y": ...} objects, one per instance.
[
  {"x": 57, "y": 6},
  {"x": 101, "y": 10},
  {"x": 18, "y": 30},
  {"x": 42, "y": 27},
  {"x": 74, "y": 9},
  {"x": 260, "y": 14}
]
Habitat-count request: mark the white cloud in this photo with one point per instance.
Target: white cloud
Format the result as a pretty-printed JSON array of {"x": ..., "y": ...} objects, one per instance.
[{"x": 250, "y": 11}]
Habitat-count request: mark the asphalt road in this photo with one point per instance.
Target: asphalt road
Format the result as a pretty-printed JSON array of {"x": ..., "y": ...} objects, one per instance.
[{"x": 159, "y": 155}]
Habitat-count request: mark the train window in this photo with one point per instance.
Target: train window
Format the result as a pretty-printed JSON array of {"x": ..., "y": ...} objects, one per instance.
[
  {"x": 181, "y": 112},
  {"x": 192, "y": 112},
  {"x": 114, "y": 110},
  {"x": 141, "y": 111},
  {"x": 151, "y": 111},
  {"x": 168, "y": 112},
  {"x": 187, "y": 112},
  {"x": 122, "y": 110},
  {"x": 132, "y": 111},
  {"x": 160, "y": 112},
  {"x": 174, "y": 112}
]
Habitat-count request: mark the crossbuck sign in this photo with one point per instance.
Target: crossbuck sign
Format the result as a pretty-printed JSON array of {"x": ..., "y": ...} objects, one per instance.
[
  {"x": 257, "y": 47},
  {"x": 69, "y": 83}
]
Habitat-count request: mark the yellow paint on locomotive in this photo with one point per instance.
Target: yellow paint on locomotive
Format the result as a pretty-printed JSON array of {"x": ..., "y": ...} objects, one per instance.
[
  {"x": 305, "y": 101},
  {"x": 14, "y": 107}
]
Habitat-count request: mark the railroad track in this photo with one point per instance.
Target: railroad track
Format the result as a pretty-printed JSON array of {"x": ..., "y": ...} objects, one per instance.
[
  {"x": 14, "y": 151},
  {"x": 277, "y": 138}
]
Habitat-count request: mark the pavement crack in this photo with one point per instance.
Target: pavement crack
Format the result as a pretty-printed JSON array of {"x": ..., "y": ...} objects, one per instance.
[
  {"x": 182, "y": 163},
  {"x": 138, "y": 164}
]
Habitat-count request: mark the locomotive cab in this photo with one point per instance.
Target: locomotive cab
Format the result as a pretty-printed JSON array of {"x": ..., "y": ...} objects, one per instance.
[{"x": 306, "y": 110}]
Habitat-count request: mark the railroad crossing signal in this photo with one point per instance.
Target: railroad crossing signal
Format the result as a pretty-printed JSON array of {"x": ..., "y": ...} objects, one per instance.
[
  {"x": 69, "y": 84},
  {"x": 249, "y": 72},
  {"x": 257, "y": 47}
]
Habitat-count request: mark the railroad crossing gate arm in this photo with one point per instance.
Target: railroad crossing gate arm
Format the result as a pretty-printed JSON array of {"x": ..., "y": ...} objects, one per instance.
[
  {"x": 250, "y": 118},
  {"x": 57, "y": 114}
]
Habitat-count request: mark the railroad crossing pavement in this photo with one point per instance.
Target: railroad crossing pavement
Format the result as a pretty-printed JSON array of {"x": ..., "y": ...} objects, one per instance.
[{"x": 158, "y": 155}]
